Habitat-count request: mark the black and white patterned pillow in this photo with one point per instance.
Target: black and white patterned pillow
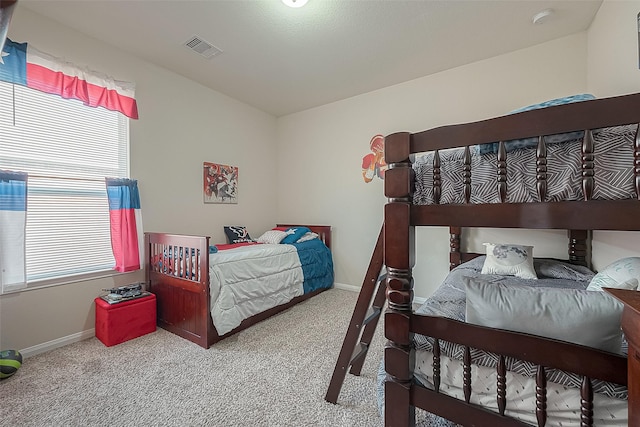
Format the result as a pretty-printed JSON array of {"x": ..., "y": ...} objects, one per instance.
[
  {"x": 237, "y": 234},
  {"x": 507, "y": 259}
]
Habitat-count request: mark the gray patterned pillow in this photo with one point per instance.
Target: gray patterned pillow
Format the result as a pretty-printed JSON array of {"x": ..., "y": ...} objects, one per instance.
[{"x": 509, "y": 260}]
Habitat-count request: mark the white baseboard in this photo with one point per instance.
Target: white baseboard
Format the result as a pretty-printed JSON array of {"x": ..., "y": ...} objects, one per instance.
[
  {"x": 57, "y": 343},
  {"x": 416, "y": 300},
  {"x": 346, "y": 287}
]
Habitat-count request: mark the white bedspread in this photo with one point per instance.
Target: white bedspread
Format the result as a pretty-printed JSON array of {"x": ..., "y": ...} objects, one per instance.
[{"x": 251, "y": 279}]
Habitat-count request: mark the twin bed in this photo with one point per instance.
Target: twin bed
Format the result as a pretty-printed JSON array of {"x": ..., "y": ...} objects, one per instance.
[
  {"x": 479, "y": 352},
  {"x": 207, "y": 292}
]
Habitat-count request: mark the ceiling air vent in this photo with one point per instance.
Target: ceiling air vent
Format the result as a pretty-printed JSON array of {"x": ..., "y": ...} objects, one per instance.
[{"x": 202, "y": 47}]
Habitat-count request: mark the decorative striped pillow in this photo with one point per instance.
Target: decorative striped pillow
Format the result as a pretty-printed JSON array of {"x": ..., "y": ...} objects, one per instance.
[{"x": 272, "y": 236}]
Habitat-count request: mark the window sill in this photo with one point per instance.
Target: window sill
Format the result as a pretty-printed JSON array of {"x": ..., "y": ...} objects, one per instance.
[{"x": 48, "y": 283}]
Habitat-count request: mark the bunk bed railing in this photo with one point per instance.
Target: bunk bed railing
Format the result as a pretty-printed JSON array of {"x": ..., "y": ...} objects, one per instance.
[
  {"x": 546, "y": 352},
  {"x": 543, "y": 352},
  {"x": 591, "y": 215}
]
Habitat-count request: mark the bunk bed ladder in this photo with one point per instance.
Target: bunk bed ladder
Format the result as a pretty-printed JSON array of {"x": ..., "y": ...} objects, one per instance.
[{"x": 363, "y": 323}]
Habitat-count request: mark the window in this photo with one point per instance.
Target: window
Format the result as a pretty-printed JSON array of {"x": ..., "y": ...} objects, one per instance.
[{"x": 67, "y": 149}]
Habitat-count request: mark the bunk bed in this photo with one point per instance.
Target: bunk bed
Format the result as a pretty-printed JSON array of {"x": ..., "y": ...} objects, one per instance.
[
  {"x": 477, "y": 185},
  {"x": 189, "y": 277}
]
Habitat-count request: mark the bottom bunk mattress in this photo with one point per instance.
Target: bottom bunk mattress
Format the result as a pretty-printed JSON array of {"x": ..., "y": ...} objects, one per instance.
[
  {"x": 563, "y": 389},
  {"x": 248, "y": 280}
]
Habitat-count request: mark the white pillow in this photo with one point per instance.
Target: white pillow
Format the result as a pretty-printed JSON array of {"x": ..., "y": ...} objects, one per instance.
[
  {"x": 272, "y": 236},
  {"x": 310, "y": 235},
  {"x": 622, "y": 274},
  {"x": 510, "y": 260},
  {"x": 573, "y": 315}
]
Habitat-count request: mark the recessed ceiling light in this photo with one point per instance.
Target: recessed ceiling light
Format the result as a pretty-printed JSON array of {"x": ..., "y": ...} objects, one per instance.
[
  {"x": 295, "y": 3},
  {"x": 541, "y": 16}
]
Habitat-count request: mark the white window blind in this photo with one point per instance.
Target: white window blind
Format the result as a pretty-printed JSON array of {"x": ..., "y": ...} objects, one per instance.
[{"x": 67, "y": 149}]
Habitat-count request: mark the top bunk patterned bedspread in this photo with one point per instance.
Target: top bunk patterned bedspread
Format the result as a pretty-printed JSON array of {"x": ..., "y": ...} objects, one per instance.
[{"x": 613, "y": 172}]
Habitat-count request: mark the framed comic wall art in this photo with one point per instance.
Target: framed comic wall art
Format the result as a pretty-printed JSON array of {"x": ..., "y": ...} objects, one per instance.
[{"x": 220, "y": 183}]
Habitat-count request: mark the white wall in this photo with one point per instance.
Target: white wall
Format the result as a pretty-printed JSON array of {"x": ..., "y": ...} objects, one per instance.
[
  {"x": 613, "y": 58},
  {"x": 613, "y": 69},
  {"x": 322, "y": 149},
  {"x": 182, "y": 124}
]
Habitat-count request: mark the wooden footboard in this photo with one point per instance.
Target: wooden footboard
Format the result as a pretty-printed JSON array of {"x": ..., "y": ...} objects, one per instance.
[{"x": 178, "y": 274}]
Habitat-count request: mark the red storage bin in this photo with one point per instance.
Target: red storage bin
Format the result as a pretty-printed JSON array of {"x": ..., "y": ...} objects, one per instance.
[{"x": 116, "y": 323}]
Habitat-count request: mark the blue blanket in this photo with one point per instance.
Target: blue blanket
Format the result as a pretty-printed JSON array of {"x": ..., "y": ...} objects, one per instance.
[{"x": 317, "y": 265}]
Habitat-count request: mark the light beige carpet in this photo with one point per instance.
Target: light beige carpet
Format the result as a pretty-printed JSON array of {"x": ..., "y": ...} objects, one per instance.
[{"x": 275, "y": 373}]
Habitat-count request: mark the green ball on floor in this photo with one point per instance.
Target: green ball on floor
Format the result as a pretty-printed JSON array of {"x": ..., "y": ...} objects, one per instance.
[{"x": 10, "y": 362}]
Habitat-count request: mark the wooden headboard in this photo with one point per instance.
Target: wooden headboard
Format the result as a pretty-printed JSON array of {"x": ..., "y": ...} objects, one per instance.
[
  {"x": 323, "y": 231},
  {"x": 579, "y": 248}
]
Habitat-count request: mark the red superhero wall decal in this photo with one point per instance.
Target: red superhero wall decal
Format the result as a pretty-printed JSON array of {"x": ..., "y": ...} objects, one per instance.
[{"x": 373, "y": 164}]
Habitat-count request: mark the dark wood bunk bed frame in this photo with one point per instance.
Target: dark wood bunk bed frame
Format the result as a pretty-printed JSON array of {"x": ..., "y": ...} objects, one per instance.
[
  {"x": 402, "y": 393},
  {"x": 183, "y": 302}
]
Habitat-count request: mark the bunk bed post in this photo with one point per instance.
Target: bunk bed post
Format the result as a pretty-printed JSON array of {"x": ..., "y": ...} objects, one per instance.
[
  {"x": 147, "y": 260},
  {"x": 580, "y": 247},
  {"x": 455, "y": 257},
  {"x": 398, "y": 257}
]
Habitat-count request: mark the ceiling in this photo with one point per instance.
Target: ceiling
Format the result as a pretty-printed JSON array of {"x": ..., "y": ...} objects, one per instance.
[{"x": 283, "y": 60}]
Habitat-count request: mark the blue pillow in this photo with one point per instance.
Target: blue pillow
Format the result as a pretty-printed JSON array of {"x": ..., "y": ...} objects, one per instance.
[
  {"x": 213, "y": 249},
  {"x": 294, "y": 233},
  {"x": 557, "y": 101},
  {"x": 532, "y": 142}
]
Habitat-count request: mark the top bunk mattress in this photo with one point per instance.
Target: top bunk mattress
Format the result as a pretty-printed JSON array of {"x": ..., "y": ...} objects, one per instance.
[{"x": 613, "y": 171}]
